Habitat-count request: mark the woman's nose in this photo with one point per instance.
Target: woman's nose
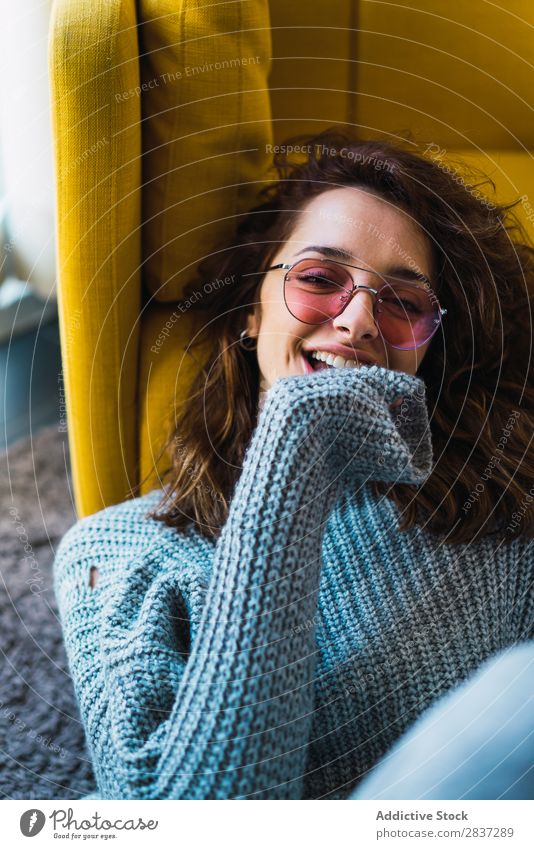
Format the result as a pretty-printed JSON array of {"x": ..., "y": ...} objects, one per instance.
[{"x": 357, "y": 317}]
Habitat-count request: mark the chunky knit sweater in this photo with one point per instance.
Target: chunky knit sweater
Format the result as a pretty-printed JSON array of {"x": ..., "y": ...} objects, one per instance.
[{"x": 281, "y": 660}]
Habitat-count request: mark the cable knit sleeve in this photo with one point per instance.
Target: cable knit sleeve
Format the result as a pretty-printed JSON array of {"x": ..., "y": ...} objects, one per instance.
[{"x": 230, "y": 715}]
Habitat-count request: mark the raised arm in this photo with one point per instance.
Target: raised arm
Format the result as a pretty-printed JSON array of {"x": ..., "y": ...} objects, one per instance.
[{"x": 235, "y": 718}]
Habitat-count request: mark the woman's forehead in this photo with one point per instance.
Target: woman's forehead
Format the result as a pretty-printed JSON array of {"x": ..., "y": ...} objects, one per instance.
[{"x": 365, "y": 227}]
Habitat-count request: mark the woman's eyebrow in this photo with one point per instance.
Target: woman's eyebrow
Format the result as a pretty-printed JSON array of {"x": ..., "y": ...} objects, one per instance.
[
  {"x": 401, "y": 271},
  {"x": 334, "y": 253},
  {"x": 408, "y": 274}
]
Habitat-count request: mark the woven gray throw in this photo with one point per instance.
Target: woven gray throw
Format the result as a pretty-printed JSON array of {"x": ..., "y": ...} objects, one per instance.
[{"x": 42, "y": 747}]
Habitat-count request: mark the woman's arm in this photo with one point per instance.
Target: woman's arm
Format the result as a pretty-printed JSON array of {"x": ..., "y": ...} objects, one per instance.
[{"x": 236, "y": 715}]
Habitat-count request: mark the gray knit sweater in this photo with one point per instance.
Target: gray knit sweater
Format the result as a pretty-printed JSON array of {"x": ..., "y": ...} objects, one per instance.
[{"x": 284, "y": 658}]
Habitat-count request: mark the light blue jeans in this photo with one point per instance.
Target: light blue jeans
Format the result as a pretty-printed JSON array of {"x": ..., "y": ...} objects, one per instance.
[{"x": 476, "y": 742}]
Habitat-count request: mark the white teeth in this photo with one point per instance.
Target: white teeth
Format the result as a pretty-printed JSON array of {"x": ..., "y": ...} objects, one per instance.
[{"x": 334, "y": 360}]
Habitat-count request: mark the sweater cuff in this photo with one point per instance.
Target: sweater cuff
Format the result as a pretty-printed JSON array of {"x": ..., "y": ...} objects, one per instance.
[{"x": 349, "y": 414}]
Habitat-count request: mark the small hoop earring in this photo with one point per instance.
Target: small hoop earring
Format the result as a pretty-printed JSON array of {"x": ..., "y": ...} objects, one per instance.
[{"x": 248, "y": 343}]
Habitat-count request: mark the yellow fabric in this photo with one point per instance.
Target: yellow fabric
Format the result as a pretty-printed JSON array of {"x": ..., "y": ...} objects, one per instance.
[
  {"x": 167, "y": 369},
  {"x": 97, "y": 152},
  {"x": 206, "y": 122},
  {"x": 313, "y": 77},
  {"x": 459, "y": 74},
  {"x": 154, "y": 163}
]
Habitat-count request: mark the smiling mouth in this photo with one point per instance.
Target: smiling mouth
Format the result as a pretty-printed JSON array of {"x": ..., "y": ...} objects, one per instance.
[{"x": 319, "y": 360}]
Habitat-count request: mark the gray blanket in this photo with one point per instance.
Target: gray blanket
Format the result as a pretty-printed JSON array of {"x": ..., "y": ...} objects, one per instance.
[{"x": 42, "y": 747}]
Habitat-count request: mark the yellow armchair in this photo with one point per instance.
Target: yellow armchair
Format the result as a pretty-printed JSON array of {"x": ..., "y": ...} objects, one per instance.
[{"x": 163, "y": 114}]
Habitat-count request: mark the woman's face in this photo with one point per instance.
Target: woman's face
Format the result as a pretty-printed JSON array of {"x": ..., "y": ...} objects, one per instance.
[{"x": 379, "y": 237}]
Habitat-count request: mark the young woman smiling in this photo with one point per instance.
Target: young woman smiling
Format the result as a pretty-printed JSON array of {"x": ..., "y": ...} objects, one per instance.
[{"x": 309, "y": 579}]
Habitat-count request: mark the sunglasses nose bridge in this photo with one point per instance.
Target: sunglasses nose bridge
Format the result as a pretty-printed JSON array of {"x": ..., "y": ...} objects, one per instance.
[{"x": 356, "y": 287}]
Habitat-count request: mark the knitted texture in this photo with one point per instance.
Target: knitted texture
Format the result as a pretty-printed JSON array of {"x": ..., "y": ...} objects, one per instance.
[{"x": 282, "y": 660}]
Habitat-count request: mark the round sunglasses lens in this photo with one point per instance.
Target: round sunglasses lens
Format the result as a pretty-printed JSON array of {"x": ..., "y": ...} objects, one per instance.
[
  {"x": 316, "y": 291},
  {"x": 408, "y": 314}
]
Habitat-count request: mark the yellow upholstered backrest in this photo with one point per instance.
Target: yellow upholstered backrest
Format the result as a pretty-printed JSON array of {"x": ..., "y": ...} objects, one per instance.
[
  {"x": 206, "y": 123},
  {"x": 313, "y": 78},
  {"x": 458, "y": 74},
  {"x": 457, "y": 80}
]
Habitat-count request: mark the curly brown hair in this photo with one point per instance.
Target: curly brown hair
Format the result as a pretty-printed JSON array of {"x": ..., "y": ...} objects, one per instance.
[{"x": 478, "y": 372}]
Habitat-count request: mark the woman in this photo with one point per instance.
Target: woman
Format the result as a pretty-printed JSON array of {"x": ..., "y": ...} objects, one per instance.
[{"x": 338, "y": 540}]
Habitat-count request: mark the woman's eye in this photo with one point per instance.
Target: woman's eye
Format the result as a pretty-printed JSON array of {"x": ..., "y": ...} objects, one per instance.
[
  {"x": 402, "y": 304},
  {"x": 316, "y": 278},
  {"x": 407, "y": 305}
]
